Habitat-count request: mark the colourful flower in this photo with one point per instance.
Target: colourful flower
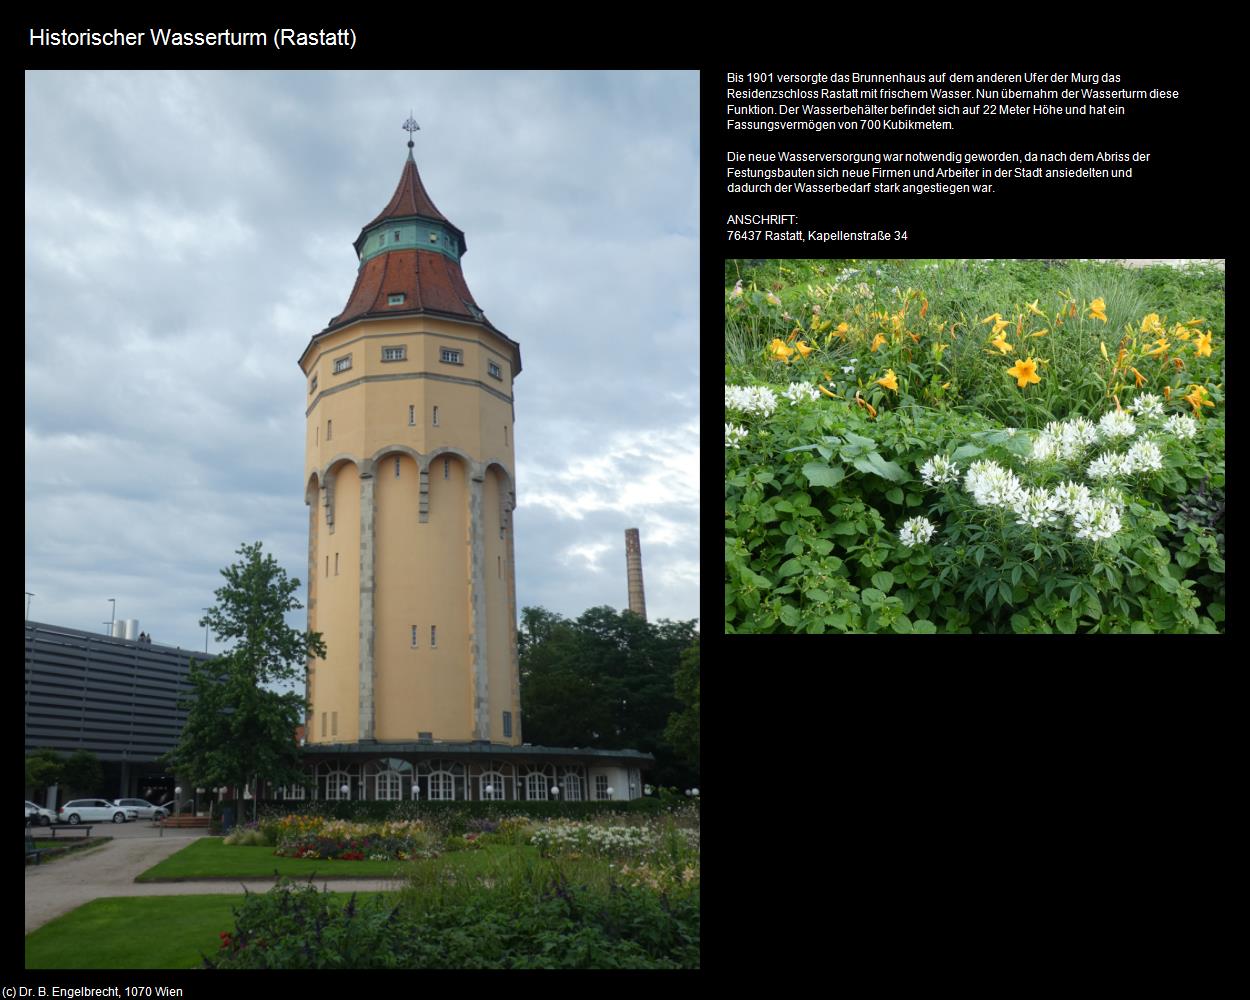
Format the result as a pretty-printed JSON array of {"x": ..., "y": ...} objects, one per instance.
[
  {"x": 877, "y": 341},
  {"x": 1097, "y": 310},
  {"x": 773, "y": 299},
  {"x": 802, "y": 348},
  {"x": 1032, "y": 307},
  {"x": 779, "y": 351},
  {"x": 1103, "y": 347},
  {"x": 1161, "y": 348},
  {"x": 1039, "y": 333},
  {"x": 1024, "y": 372},
  {"x": 1141, "y": 379},
  {"x": 1000, "y": 324},
  {"x": 1203, "y": 345},
  {"x": 1197, "y": 398},
  {"x": 827, "y": 392},
  {"x": 1178, "y": 363},
  {"x": 1002, "y": 345},
  {"x": 1150, "y": 324},
  {"x": 889, "y": 381}
]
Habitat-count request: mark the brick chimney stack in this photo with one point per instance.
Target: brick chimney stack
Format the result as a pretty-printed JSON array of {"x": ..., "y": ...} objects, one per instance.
[{"x": 633, "y": 566}]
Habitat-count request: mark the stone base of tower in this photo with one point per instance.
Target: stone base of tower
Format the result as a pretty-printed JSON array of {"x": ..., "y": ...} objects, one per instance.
[{"x": 475, "y": 771}]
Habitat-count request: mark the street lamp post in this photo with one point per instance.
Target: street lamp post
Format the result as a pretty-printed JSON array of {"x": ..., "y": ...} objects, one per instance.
[
  {"x": 29, "y": 595},
  {"x": 178, "y": 800}
]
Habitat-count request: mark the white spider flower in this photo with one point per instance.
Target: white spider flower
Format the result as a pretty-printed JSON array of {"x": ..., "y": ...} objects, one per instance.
[
  {"x": 1107, "y": 465},
  {"x": 939, "y": 469},
  {"x": 1145, "y": 456},
  {"x": 1114, "y": 425},
  {"x": 733, "y": 435},
  {"x": 1147, "y": 405},
  {"x": 1181, "y": 426},
  {"x": 1096, "y": 520},
  {"x": 1044, "y": 448},
  {"x": 916, "y": 531},
  {"x": 1036, "y": 508},
  {"x": 1071, "y": 496},
  {"x": 750, "y": 399},
  {"x": 1073, "y": 437},
  {"x": 993, "y": 486},
  {"x": 799, "y": 391}
]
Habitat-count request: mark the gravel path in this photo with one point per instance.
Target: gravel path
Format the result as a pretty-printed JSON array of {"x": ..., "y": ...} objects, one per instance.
[{"x": 56, "y": 887}]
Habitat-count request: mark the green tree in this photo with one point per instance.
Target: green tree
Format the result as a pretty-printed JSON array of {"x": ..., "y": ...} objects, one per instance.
[
  {"x": 83, "y": 773},
  {"x": 238, "y": 730},
  {"x": 604, "y": 680},
  {"x": 43, "y": 768},
  {"x": 682, "y": 731}
]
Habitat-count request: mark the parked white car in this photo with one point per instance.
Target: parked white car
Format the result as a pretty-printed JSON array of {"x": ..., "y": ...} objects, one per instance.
[
  {"x": 94, "y": 811},
  {"x": 40, "y": 815},
  {"x": 143, "y": 808}
]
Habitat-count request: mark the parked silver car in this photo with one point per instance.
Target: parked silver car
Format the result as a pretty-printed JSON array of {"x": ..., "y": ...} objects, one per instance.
[
  {"x": 143, "y": 808},
  {"x": 40, "y": 815},
  {"x": 94, "y": 811}
]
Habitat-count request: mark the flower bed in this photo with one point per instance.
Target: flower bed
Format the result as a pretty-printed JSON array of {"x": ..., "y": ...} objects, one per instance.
[{"x": 340, "y": 840}]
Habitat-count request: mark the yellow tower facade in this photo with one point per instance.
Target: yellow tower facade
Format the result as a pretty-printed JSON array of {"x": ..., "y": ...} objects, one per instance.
[{"x": 410, "y": 483}]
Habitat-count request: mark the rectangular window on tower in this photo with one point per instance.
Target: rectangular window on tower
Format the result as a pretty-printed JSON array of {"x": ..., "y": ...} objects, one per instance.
[
  {"x": 435, "y": 420},
  {"x": 494, "y": 370},
  {"x": 329, "y": 430},
  {"x": 507, "y": 724},
  {"x": 505, "y": 435},
  {"x": 451, "y": 357},
  {"x": 397, "y": 468},
  {"x": 414, "y": 637},
  {"x": 394, "y": 353},
  {"x": 312, "y": 386},
  {"x": 323, "y": 724},
  {"x": 334, "y": 723},
  {"x": 342, "y": 364},
  {"x": 336, "y": 564},
  {"x": 433, "y": 635},
  {"x": 446, "y": 468},
  {"x": 327, "y": 565},
  {"x": 412, "y": 416}
]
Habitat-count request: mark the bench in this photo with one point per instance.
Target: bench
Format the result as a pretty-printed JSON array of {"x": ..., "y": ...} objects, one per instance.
[
  {"x": 32, "y": 850},
  {"x": 84, "y": 827}
]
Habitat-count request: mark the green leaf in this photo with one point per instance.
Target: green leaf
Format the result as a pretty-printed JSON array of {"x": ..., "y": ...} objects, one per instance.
[
  {"x": 836, "y": 620},
  {"x": 1019, "y": 623},
  {"x": 819, "y": 474},
  {"x": 1216, "y": 611},
  {"x": 794, "y": 545},
  {"x": 874, "y": 464},
  {"x": 860, "y": 440},
  {"x": 843, "y": 528},
  {"x": 870, "y": 596},
  {"x": 901, "y": 626},
  {"x": 914, "y": 500},
  {"x": 1186, "y": 559},
  {"x": 883, "y": 581},
  {"x": 1066, "y": 623},
  {"x": 895, "y": 495},
  {"x": 966, "y": 451},
  {"x": 1141, "y": 628},
  {"x": 1216, "y": 563},
  {"x": 790, "y": 615},
  {"x": 822, "y": 546},
  {"x": 923, "y": 625},
  {"x": 1015, "y": 575},
  {"x": 760, "y": 581},
  {"x": 817, "y": 595},
  {"x": 1004, "y": 591},
  {"x": 790, "y": 567}
]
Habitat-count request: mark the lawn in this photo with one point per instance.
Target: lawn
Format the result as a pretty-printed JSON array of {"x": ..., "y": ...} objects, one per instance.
[
  {"x": 117, "y": 933},
  {"x": 209, "y": 858}
]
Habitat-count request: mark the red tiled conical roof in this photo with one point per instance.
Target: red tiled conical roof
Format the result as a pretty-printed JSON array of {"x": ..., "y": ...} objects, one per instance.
[
  {"x": 411, "y": 198},
  {"x": 429, "y": 281}
]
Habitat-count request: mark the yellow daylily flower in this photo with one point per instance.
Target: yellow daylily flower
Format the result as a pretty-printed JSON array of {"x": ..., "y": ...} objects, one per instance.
[
  {"x": 827, "y": 392},
  {"x": 1024, "y": 372},
  {"x": 1160, "y": 349},
  {"x": 877, "y": 341},
  {"x": 924, "y": 308},
  {"x": 778, "y": 350},
  {"x": 1181, "y": 332},
  {"x": 773, "y": 299},
  {"x": 802, "y": 348},
  {"x": 946, "y": 385},
  {"x": 1150, "y": 324},
  {"x": 1097, "y": 310},
  {"x": 1032, "y": 307},
  {"x": 1002, "y": 345},
  {"x": 1040, "y": 333},
  {"x": 1103, "y": 347},
  {"x": 1203, "y": 345},
  {"x": 1195, "y": 322},
  {"x": 1197, "y": 398},
  {"x": 841, "y": 329},
  {"x": 1141, "y": 379},
  {"x": 1167, "y": 392},
  {"x": 889, "y": 381}
]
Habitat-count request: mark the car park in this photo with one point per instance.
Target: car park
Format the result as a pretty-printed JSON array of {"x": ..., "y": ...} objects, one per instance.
[
  {"x": 143, "y": 808},
  {"x": 38, "y": 814},
  {"x": 94, "y": 811}
]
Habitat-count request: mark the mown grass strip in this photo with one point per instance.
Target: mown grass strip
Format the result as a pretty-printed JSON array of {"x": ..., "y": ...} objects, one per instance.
[{"x": 137, "y": 932}]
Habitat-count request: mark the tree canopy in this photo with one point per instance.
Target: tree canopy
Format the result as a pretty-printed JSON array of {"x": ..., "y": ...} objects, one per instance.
[
  {"x": 236, "y": 728},
  {"x": 605, "y": 680}
]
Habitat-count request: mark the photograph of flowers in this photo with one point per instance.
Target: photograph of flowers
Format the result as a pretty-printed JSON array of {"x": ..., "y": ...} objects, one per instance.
[{"x": 974, "y": 446}]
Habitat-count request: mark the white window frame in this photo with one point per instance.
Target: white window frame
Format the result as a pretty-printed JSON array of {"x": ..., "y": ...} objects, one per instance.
[
  {"x": 333, "y": 782},
  {"x": 601, "y": 788},
  {"x": 451, "y": 356},
  {"x": 312, "y": 386},
  {"x": 494, "y": 370},
  {"x": 571, "y": 779},
  {"x": 388, "y": 781},
  {"x": 536, "y": 780},
  {"x": 440, "y": 782},
  {"x": 412, "y": 416},
  {"x": 495, "y": 780},
  {"x": 395, "y": 353},
  {"x": 342, "y": 364},
  {"x": 395, "y": 299}
]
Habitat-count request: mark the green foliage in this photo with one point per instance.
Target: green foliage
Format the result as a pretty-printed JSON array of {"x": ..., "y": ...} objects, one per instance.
[
  {"x": 43, "y": 767},
  {"x": 236, "y": 728},
  {"x": 83, "y": 772},
  {"x": 682, "y": 731},
  {"x": 817, "y": 491},
  {"x": 453, "y": 815},
  {"x": 605, "y": 679}
]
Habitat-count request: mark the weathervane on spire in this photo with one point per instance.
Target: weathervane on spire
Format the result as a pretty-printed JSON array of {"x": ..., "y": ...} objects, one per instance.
[{"x": 410, "y": 126}]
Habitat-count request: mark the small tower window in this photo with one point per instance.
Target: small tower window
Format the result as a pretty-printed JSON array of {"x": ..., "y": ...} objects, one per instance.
[
  {"x": 450, "y": 357},
  {"x": 336, "y": 564},
  {"x": 499, "y": 565},
  {"x": 436, "y": 416},
  {"x": 394, "y": 353},
  {"x": 433, "y": 635},
  {"x": 317, "y": 434},
  {"x": 397, "y": 468},
  {"x": 395, "y": 299},
  {"x": 323, "y": 723},
  {"x": 414, "y": 637},
  {"x": 396, "y": 239},
  {"x": 505, "y": 433},
  {"x": 329, "y": 430},
  {"x": 446, "y": 468},
  {"x": 334, "y": 723},
  {"x": 412, "y": 416},
  {"x": 312, "y": 386},
  {"x": 327, "y": 565},
  {"x": 494, "y": 370},
  {"x": 342, "y": 364},
  {"x": 507, "y": 724},
  {"x": 433, "y": 237}
]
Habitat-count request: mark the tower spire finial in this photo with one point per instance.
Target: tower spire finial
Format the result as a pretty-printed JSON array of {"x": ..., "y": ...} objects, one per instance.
[{"x": 410, "y": 126}]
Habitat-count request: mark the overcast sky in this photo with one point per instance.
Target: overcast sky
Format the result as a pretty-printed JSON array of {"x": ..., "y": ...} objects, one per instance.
[{"x": 187, "y": 233}]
